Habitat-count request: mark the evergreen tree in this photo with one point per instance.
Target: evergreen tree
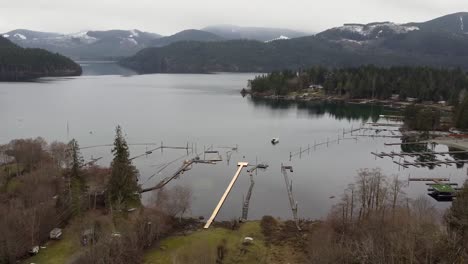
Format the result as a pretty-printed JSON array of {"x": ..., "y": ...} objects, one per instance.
[
  {"x": 77, "y": 183},
  {"x": 461, "y": 114},
  {"x": 457, "y": 221},
  {"x": 123, "y": 185}
]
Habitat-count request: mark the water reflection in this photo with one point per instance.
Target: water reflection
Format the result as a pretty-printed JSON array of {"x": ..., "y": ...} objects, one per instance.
[
  {"x": 429, "y": 157},
  {"x": 338, "y": 110},
  {"x": 104, "y": 68}
]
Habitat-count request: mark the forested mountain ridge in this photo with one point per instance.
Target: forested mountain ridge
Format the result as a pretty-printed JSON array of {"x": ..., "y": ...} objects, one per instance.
[
  {"x": 20, "y": 64},
  {"x": 435, "y": 43},
  {"x": 112, "y": 44}
]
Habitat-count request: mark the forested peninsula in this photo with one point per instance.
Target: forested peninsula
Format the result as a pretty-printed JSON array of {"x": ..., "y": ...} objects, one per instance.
[
  {"x": 366, "y": 82},
  {"x": 20, "y": 64}
]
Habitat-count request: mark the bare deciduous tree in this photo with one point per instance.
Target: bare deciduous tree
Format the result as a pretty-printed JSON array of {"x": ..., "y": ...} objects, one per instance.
[{"x": 175, "y": 201}]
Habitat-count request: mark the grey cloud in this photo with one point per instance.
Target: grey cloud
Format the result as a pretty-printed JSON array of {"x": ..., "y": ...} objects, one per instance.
[{"x": 167, "y": 17}]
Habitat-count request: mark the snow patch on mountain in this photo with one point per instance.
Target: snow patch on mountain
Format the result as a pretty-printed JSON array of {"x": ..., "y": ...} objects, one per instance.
[
  {"x": 134, "y": 33},
  {"x": 462, "y": 26},
  {"x": 278, "y": 38},
  {"x": 82, "y": 36},
  {"x": 21, "y": 36},
  {"x": 6, "y": 35},
  {"x": 368, "y": 29}
]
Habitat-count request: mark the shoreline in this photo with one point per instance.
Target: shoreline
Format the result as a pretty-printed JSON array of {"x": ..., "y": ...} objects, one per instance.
[{"x": 395, "y": 104}]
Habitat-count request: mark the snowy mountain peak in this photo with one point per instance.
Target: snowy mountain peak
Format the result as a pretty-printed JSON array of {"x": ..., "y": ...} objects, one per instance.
[
  {"x": 81, "y": 36},
  {"x": 351, "y": 33},
  {"x": 278, "y": 38}
]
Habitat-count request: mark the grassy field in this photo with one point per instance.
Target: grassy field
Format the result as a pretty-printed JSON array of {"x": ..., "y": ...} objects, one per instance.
[
  {"x": 56, "y": 252},
  {"x": 201, "y": 247},
  {"x": 68, "y": 249}
]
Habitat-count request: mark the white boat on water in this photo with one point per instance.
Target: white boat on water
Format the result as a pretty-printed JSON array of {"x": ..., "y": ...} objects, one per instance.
[{"x": 274, "y": 140}]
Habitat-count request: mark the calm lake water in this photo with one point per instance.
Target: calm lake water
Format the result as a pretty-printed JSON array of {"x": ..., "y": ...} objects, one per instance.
[{"x": 207, "y": 110}]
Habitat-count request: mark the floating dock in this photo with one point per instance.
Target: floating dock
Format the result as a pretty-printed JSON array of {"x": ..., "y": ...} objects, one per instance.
[{"x": 439, "y": 190}]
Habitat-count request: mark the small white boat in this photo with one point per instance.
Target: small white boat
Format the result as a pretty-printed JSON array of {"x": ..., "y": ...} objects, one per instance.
[{"x": 274, "y": 141}]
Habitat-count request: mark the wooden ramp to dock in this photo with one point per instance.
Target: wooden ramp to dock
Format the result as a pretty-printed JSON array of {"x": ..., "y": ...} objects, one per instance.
[
  {"x": 240, "y": 165},
  {"x": 292, "y": 202}
]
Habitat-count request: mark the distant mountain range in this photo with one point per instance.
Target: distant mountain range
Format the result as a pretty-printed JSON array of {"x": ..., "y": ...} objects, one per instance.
[
  {"x": 87, "y": 44},
  {"x": 120, "y": 43},
  {"x": 186, "y": 35},
  {"x": 442, "y": 42},
  {"x": 230, "y": 32},
  {"x": 21, "y": 64}
]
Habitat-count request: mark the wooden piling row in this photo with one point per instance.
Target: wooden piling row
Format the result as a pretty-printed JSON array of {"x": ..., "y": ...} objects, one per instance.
[{"x": 292, "y": 202}]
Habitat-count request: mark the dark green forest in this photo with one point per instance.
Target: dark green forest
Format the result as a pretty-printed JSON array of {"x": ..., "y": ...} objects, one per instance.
[
  {"x": 19, "y": 64},
  {"x": 422, "y": 83}
]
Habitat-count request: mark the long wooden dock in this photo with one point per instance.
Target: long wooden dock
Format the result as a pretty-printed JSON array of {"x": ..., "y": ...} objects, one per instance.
[
  {"x": 384, "y": 124},
  {"x": 413, "y": 154},
  {"x": 185, "y": 166},
  {"x": 406, "y": 164},
  {"x": 240, "y": 165},
  {"x": 161, "y": 147},
  {"x": 435, "y": 180},
  {"x": 166, "y": 180},
  {"x": 406, "y": 143}
]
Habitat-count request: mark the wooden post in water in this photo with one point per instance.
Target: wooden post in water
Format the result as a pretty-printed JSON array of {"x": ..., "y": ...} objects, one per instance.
[
  {"x": 290, "y": 156},
  {"x": 315, "y": 144},
  {"x": 256, "y": 164},
  {"x": 327, "y": 142},
  {"x": 300, "y": 152},
  {"x": 308, "y": 149},
  {"x": 162, "y": 147}
]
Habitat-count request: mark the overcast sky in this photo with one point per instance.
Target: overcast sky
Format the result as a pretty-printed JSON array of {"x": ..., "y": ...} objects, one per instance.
[{"x": 169, "y": 16}]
